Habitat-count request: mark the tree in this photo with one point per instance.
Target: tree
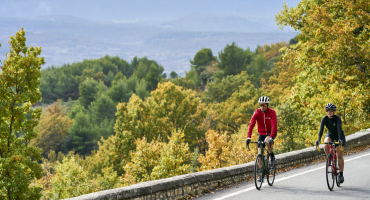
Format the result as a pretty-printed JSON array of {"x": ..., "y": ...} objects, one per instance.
[
  {"x": 175, "y": 157},
  {"x": 83, "y": 135},
  {"x": 19, "y": 86},
  {"x": 201, "y": 59},
  {"x": 154, "y": 76},
  {"x": 120, "y": 91},
  {"x": 224, "y": 150},
  {"x": 174, "y": 75},
  {"x": 88, "y": 90},
  {"x": 220, "y": 90},
  {"x": 53, "y": 128},
  {"x": 232, "y": 59},
  {"x": 237, "y": 110},
  {"x": 333, "y": 60},
  {"x": 158, "y": 160},
  {"x": 169, "y": 107},
  {"x": 102, "y": 108},
  {"x": 144, "y": 159},
  {"x": 141, "y": 91},
  {"x": 141, "y": 70}
]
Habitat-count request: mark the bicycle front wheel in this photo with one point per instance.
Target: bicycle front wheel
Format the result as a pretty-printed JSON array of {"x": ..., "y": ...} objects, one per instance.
[
  {"x": 271, "y": 172},
  {"x": 329, "y": 173},
  {"x": 258, "y": 172}
]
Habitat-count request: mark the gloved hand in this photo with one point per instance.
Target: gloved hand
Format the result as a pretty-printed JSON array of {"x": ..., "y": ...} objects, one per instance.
[
  {"x": 247, "y": 141},
  {"x": 271, "y": 141},
  {"x": 340, "y": 142},
  {"x": 317, "y": 143}
]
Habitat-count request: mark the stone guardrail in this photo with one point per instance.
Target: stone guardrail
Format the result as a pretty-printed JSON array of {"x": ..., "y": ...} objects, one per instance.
[{"x": 179, "y": 187}]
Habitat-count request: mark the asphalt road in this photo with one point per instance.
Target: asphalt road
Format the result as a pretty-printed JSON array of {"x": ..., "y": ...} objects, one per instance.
[{"x": 307, "y": 182}]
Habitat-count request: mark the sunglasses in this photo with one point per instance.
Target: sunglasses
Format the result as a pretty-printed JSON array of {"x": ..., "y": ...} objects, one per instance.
[
  {"x": 263, "y": 104},
  {"x": 330, "y": 110}
]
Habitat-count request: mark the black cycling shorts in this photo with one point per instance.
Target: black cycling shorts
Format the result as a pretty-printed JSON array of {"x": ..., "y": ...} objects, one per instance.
[
  {"x": 335, "y": 138},
  {"x": 263, "y": 137}
]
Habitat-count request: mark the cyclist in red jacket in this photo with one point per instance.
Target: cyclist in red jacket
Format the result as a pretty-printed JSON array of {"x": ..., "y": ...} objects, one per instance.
[{"x": 267, "y": 125}]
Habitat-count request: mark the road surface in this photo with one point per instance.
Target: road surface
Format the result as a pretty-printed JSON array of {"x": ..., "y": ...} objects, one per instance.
[{"x": 307, "y": 182}]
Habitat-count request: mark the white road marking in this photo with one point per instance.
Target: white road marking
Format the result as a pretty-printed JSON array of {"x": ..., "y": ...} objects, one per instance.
[{"x": 282, "y": 179}]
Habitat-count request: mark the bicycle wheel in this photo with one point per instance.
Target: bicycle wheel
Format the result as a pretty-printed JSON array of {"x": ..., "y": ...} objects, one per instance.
[
  {"x": 258, "y": 171},
  {"x": 336, "y": 166},
  {"x": 329, "y": 173},
  {"x": 271, "y": 172}
]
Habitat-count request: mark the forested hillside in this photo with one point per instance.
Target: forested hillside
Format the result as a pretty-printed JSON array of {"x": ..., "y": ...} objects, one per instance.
[{"x": 110, "y": 123}]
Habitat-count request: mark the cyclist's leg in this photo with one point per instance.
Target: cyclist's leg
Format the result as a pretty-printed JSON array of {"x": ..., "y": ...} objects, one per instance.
[
  {"x": 340, "y": 159},
  {"x": 269, "y": 147},
  {"x": 327, "y": 146},
  {"x": 260, "y": 138}
]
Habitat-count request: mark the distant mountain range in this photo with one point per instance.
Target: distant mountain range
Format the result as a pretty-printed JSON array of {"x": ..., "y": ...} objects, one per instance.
[{"x": 171, "y": 38}]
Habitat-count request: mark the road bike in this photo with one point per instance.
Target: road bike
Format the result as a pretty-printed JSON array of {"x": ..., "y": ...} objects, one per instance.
[
  {"x": 332, "y": 168},
  {"x": 263, "y": 168}
]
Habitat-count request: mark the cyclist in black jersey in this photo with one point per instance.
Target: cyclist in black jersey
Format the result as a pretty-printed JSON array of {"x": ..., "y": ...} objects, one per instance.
[{"x": 335, "y": 132}]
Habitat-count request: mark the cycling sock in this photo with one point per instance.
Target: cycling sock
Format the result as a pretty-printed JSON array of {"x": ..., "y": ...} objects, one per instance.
[
  {"x": 341, "y": 173},
  {"x": 272, "y": 154}
]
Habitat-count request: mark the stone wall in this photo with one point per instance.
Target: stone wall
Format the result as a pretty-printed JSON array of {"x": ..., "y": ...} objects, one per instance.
[{"x": 181, "y": 186}]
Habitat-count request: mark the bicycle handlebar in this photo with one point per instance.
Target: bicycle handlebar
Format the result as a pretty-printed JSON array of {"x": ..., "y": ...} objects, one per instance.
[
  {"x": 331, "y": 143},
  {"x": 257, "y": 142}
]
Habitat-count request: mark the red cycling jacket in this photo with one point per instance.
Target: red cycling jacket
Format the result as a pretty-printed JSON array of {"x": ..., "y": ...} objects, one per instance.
[{"x": 267, "y": 122}]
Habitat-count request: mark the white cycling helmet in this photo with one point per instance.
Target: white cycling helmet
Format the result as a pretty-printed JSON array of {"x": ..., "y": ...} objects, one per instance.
[
  {"x": 263, "y": 99},
  {"x": 330, "y": 106}
]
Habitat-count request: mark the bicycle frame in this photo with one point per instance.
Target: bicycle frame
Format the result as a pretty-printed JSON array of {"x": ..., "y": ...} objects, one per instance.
[
  {"x": 263, "y": 148},
  {"x": 333, "y": 152},
  {"x": 262, "y": 162},
  {"x": 332, "y": 168}
]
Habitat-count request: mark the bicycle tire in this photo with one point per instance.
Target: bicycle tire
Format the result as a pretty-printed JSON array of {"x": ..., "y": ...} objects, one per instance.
[
  {"x": 329, "y": 173},
  {"x": 271, "y": 172},
  {"x": 337, "y": 175},
  {"x": 258, "y": 171}
]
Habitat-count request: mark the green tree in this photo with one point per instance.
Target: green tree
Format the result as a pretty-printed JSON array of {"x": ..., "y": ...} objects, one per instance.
[
  {"x": 154, "y": 76},
  {"x": 120, "y": 91},
  {"x": 174, "y": 75},
  {"x": 141, "y": 91},
  {"x": 88, "y": 90},
  {"x": 19, "y": 86},
  {"x": 202, "y": 58},
  {"x": 102, "y": 108},
  {"x": 232, "y": 59},
  {"x": 220, "y": 90},
  {"x": 82, "y": 136},
  {"x": 141, "y": 70}
]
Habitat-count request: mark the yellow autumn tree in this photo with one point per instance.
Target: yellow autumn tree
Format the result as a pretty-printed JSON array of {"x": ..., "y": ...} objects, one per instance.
[
  {"x": 225, "y": 150},
  {"x": 170, "y": 107},
  {"x": 53, "y": 128},
  {"x": 332, "y": 56},
  {"x": 158, "y": 160}
]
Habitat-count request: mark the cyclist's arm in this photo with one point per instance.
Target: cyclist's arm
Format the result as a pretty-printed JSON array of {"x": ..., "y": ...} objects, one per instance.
[
  {"x": 273, "y": 124},
  {"x": 252, "y": 123},
  {"x": 339, "y": 128},
  {"x": 321, "y": 129}
]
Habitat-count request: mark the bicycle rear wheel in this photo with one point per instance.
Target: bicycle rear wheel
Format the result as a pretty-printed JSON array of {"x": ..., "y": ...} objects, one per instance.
[
  {"x": 258, "y": 172},
  {"x": 271, "y": 172},
  {"x": 329, "y": 173},
  {"x": 336, "y": 166}
]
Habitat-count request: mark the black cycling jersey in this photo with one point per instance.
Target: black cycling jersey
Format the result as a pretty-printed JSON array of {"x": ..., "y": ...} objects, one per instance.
[{"x": 334, "y": 126}]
